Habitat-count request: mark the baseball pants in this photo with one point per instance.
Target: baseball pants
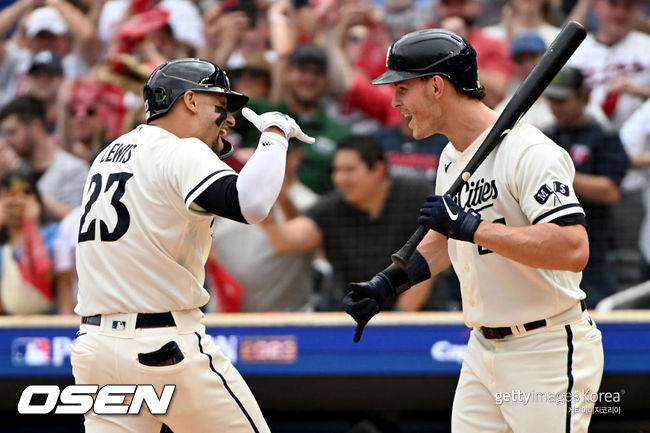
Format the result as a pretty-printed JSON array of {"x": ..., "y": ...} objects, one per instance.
[
  {"x": 210, "y": 395},
  {"x": 542, "y": 381}
]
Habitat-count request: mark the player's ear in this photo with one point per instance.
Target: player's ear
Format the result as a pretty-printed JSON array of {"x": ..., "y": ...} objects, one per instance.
[
  {"x": 191, "y": 101},
  {"x": 437, "y": 85}
]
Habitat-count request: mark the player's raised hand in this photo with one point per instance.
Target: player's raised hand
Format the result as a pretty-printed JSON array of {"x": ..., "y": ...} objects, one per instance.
[
  {"x": 442, "y": 214},
  {"x": 280, "y": 120},
  {"x": 364, "y": 300}
]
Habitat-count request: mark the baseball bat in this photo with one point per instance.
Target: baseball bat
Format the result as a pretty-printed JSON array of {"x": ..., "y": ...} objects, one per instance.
[{"x": 557, "y": 54}]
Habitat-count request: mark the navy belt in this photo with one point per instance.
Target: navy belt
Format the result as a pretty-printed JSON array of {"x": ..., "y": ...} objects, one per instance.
[
  {"x": 144, "y": 320},
  {"x": 503, "y": 332}
]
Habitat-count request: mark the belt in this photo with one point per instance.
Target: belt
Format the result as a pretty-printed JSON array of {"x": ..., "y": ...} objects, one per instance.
[
  {"x": 144, "y": 320},
  {"x": 503, "y": 332}
]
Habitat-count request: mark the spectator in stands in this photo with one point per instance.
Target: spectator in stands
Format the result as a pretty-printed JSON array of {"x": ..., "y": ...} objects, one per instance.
[
  {"x": 25, "y": 259},
  {"x": 64, "y": 29},
  {"x": 45, "y": 77},
  {"x": 179, "y": 35},
  {"x": 492, "y": 56},
  {"x": 61, "y": 176},
  {"x": 526, "y": 48},
  {"x": 282, "y": 281},
  {"x": 63, "y": 254},
  {"x": 252, "y": 77},
  {"x": 82, "y": 122},
  {"x": 615, "y": 63},
  {"x": 600, "y": 163},
  {"x": 233, "y": 32},
  {"x": 305, "y": 85},
  {"x": 407, "y": 156},
  {"x": 60, "y": 28},
  {"x": 356, "y": 45},
  {"x": 525, "y": 15},
  {"x": 614, "y": 60},
  {"x": 360, "y": 223},
  {"x": 14, "y": 61},
  {"x": 635, "y": 135},
  {"x": 404, "y": 16},
  {"x": 139, "y": 44}
]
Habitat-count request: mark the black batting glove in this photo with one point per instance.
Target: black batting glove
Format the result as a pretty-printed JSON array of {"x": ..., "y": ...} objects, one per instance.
[
  {"x": 442, "y": 214},
  {"x": 364, "y": 300}
]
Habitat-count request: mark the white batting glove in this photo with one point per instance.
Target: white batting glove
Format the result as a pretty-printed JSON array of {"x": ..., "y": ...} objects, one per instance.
[{"x": 280, "y": 120}]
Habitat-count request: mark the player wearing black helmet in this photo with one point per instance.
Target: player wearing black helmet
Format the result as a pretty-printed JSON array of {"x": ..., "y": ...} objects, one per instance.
[
  {"x": 144, "y": 236},
  {"x": 433, "y": 52}
]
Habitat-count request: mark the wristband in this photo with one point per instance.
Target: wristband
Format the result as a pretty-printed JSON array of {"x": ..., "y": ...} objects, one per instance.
[
  {"x": 417, "y": 270},
  {"x": 397, "y": 278},
  {"x": 271, "y": 138}
]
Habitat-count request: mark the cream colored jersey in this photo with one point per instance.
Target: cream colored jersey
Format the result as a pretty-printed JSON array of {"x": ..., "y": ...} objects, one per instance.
[
  {"x": 527, "y": 179},
  {"x": 141, "y": 247}
]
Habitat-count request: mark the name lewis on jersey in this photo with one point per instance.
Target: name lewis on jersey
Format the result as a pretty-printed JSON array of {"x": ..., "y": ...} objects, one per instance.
[
  {"x": 476, "y": 193},
  {"x": 118, "y": 152}
]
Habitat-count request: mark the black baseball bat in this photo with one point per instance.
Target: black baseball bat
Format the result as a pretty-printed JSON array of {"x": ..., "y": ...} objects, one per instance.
[{"x": 564, "y": 45}]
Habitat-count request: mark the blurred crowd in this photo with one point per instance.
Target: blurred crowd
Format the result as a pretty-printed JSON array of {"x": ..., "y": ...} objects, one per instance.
[{"x": 71, "y": 77}]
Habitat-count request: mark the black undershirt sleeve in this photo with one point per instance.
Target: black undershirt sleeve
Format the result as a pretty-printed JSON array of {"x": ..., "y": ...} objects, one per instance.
[
  {"x": 570, "y": 220},
  {"x": 221, "y": 198}
]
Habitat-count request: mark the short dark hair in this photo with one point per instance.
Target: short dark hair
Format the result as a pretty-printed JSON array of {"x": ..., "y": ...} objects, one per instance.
[
  {"x": 478, "y": 93},
  {"x": 368, "y": 147},
  {"x": 26, "y": 108}
]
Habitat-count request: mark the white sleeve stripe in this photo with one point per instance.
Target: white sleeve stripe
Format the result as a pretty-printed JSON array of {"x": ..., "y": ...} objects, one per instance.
[
  {"x": 189, "y": 197},
  {"x": 561, "y": 210}
]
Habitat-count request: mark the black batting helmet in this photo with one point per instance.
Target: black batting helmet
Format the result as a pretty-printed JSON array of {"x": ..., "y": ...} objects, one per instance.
[
  {"x": 432, "y": 52},
  {"x": 173, "y": 78}
]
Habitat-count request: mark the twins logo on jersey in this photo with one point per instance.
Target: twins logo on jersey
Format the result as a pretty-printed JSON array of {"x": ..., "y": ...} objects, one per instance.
[{"x": 545, "y": 192}]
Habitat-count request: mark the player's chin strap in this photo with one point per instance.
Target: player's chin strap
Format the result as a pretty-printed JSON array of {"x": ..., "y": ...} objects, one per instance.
[{"x": 227, "y": 149}]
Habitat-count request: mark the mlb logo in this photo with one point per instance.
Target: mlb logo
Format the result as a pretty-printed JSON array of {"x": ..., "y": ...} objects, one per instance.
[
  {"x": 31, "y": 352},
  {"x": 119, "y": 325}
]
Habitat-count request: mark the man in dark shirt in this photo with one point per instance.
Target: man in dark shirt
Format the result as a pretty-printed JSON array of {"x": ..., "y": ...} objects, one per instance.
[
  {"x": 407, "y": 156},
  {"x": 360, "y": 223},
  {"x": 600, "y": 163}
]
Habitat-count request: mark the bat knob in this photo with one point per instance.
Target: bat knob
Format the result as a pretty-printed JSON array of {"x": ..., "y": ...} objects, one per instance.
[{"x": 398, "y": 260}]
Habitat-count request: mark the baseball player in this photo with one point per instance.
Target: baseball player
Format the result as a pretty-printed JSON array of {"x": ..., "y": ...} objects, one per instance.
[
  {"x": 516, "y": 238},
  {"x": 144, "y": 237}
]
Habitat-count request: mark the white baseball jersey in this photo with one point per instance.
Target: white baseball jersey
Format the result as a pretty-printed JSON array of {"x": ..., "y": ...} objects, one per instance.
[
  {"x": 142, "y": 247},
  {"x": 526, "y": 180},
  {"x": 602, "y": 64}
]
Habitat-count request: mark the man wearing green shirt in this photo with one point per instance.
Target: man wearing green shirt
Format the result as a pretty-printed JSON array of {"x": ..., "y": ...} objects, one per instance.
[{"x": 306, "y": 84}]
